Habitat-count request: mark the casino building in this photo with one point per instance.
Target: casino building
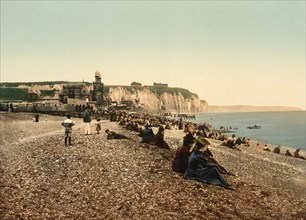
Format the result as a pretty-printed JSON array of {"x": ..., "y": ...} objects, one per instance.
[{"x": 79, "y": 93}]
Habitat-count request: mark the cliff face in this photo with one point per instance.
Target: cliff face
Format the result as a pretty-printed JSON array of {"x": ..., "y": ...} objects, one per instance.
[{"x": 165, "y": 101}]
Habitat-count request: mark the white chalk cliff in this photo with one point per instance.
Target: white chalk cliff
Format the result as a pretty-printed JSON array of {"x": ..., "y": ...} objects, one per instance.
[{"x": 164, "y": 101}]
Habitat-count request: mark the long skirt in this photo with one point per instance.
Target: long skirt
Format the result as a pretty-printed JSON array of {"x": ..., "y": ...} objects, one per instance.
[{"x": 207, "y": 175}]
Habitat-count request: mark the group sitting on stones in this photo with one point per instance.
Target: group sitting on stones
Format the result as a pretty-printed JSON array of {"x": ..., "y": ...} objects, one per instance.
[
  {"x": 143, "y": 123},
  {"x": 277, "y": 150},
  {"x": 193, "y": 159},
  {"x": 232, "y": 142}
]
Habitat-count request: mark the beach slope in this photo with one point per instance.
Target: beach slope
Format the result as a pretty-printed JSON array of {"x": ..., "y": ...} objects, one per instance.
[{"x": 96, "y": 178}]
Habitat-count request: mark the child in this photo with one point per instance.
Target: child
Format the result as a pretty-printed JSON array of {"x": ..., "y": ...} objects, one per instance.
[
  {"x": 98, "y": 128},
  {"x": 68, "y": 129}
]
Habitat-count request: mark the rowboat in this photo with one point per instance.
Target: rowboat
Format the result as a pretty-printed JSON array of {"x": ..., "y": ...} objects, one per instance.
[{"x": 254, "y": 127}]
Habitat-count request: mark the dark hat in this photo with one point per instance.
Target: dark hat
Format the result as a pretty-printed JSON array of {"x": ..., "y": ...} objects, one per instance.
[
  {"x": 188, "y": 139},
  {"x": 161, "y": 129}
]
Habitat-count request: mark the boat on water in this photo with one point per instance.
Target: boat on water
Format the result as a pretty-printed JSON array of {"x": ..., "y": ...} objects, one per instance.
[
  {"x": 254, "y": 127},
  {"x": 226, "y": 131}
]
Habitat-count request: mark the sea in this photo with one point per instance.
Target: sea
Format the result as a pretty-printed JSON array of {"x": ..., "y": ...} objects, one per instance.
[{"x": 277, "y": 128}]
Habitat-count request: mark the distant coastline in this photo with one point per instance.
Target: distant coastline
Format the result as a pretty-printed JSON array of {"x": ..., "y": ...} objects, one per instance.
[{"x": 250, "y": 108}]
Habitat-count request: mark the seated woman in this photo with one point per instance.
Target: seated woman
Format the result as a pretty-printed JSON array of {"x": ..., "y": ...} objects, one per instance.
[
  {"x": 245, "y": 141},
  {"x": 277, "y": 150},
  {"x": 210, "y": 158},
  {"x": 113, "y": 135},
  {"x": 288, "y": 153},
  {"x": 201, "y": 170},
  {"x": 158, "y": 139},
  {"x": 180, "y": 162},
  {"x": 147, "y": 134},
  {"x": 297, "y": 154}
]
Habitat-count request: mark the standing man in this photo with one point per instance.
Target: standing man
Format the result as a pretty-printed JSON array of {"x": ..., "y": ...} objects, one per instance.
[
  {"x": 87, "y": 120},
  {"x": 68, "y": 123}
]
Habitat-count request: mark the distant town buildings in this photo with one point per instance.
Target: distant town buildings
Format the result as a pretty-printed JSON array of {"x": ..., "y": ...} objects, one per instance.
[
  {"x": 136, "y": 84},
  {"x": 160, "y": 85},
  {"x": 73, "y": 91},
  {"x": 33, "y": 95},
  {"x": 155, "y": 85},
  {"x": 77, "y": 93},
  {"x": 83, "y": 93}
]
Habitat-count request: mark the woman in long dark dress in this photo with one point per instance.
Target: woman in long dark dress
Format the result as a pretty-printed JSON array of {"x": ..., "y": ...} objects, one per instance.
[
  {"x": 182, "y": 154},
  {"x": 201, "y": 170},
  {"x": 158, "y": 139}
]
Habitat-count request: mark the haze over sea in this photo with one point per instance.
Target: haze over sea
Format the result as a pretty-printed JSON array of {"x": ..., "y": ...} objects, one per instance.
[{"x": 277, "y": 128}]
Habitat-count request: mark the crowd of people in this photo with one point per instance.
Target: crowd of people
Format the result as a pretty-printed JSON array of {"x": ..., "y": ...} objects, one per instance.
[{"x": 193, "y": 159}]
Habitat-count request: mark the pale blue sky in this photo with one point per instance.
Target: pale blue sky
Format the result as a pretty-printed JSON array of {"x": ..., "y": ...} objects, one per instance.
[{"x": 228, "y": 52}]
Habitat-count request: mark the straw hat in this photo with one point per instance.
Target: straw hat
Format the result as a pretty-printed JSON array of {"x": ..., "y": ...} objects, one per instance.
[{"x": 203, "y": 141}]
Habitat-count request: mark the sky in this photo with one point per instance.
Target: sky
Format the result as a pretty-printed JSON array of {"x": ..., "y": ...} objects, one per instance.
[{"x": 227, "y": 52}]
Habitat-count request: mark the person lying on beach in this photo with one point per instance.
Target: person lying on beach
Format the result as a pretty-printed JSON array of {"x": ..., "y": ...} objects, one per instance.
[
  {"x": 132, "y": 126},
  {"x": 158, "y": 139},
  {"x": 113, "y": 135},
  {"x": 200, "y": 169},
  {"x": 266, "y": 148},
  {"x": 180, "y": 162}
]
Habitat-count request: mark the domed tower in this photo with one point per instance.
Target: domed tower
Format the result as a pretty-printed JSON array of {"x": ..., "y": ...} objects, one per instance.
[{"x": 97, "y": 92}]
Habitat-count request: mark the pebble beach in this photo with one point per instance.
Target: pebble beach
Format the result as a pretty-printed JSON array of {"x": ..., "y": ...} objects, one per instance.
[{"x": 97, "y": 178}]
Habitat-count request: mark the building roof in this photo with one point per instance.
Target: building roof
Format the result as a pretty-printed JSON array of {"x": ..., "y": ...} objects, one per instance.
[{"x": 33, "y": 91}]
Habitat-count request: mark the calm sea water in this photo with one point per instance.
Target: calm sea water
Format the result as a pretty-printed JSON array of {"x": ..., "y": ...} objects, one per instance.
[{"x": 277, "y": 128}]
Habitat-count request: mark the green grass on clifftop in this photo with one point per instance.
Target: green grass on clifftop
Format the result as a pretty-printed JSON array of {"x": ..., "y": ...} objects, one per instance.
[{"x": 12, "y": 94}]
